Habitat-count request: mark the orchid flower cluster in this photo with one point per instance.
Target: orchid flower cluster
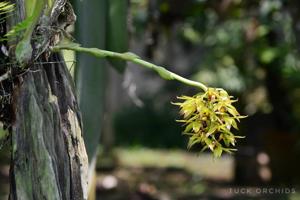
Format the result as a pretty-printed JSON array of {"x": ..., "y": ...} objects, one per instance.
[{"x": 208, "y": 118}]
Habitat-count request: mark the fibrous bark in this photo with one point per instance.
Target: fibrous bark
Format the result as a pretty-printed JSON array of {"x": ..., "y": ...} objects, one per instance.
[{"x": 49, "y": 159}]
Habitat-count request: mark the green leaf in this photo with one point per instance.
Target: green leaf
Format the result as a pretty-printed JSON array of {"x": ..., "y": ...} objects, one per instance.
[
  {"x": 23, "y": 51},
  {"x": 18, "y": 28},
  {"x": 6, "y": 7},
  {"x": 90, "y": 73},
  {"x": 117, "y": 34}
]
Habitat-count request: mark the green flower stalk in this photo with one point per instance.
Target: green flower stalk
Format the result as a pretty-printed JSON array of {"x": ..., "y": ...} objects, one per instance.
[
  {"x": 131, "y": 57},
  {"x": 208, "y": 117}
]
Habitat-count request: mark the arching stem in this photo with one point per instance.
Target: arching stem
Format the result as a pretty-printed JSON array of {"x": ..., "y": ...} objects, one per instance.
[{"x": 163, "y": 72}]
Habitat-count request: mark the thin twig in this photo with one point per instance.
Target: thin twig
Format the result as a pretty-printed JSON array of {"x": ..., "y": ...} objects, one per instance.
[{"x": 39, "y": 63}]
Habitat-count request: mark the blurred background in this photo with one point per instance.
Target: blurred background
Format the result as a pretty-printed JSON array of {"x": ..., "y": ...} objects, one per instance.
[{"x": 249, "y": 48}]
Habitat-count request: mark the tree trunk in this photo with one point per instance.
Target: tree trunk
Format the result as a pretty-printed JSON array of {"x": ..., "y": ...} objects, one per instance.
[{"x": 49, "y": 159}]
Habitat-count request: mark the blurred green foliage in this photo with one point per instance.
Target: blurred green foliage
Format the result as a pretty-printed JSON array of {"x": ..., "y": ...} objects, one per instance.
[{"x": 149, "y": 126}]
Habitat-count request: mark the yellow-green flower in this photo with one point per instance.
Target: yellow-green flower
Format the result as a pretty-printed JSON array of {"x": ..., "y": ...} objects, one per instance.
[{"x": 208, "y": 118}]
